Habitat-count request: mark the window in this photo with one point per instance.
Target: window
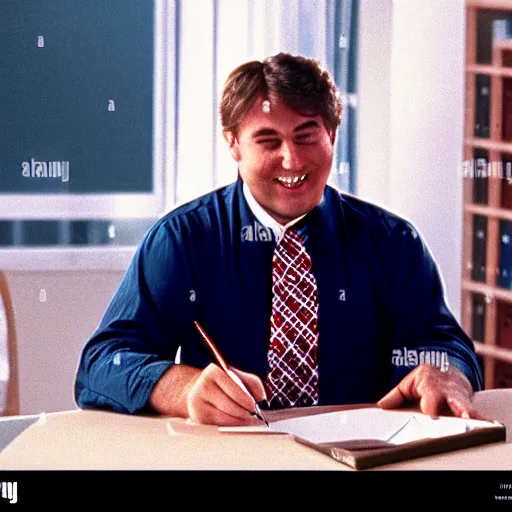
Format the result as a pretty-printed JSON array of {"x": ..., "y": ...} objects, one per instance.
[{"x": 100, "y": 109}]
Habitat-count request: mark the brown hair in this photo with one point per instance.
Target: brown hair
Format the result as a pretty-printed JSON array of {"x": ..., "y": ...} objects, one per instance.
[{"x": 300, "y": 82}]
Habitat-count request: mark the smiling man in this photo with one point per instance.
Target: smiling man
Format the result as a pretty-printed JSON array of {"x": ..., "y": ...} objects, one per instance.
[{"x": 317, "y": 314}]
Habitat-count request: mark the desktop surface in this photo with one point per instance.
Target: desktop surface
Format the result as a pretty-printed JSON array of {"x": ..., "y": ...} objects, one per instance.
[{"x": 100, "y": 440}]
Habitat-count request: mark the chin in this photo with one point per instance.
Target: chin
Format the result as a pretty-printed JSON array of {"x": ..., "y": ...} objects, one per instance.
[{"x": 285, "y": 217}]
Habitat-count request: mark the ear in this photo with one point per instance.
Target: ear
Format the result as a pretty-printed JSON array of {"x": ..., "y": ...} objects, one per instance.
[
  {"x": 233, "y": 144},
  {"x": 332, "y": 136}
]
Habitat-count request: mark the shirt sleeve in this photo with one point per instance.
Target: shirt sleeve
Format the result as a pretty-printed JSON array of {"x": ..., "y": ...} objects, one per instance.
[
  {"x": 424, "y": 327},
  {"x": 141, "y": 330}
]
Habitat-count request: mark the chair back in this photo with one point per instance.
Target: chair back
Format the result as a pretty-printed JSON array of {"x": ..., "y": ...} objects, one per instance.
[{"x": 9, "y": 383}]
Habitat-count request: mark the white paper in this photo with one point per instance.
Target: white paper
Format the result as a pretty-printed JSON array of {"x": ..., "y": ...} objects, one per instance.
[
  {"x": 370, "y": 423},
  {"x": 397, "y": 427},
  {"x": 423, "y": 426}
]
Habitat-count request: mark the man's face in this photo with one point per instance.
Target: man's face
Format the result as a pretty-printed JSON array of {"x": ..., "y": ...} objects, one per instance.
[{"x": 285, "y": 158}]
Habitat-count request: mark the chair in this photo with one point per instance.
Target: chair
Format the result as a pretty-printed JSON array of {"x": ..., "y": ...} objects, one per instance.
[
  {"x": 496, "y": 404},
  {"x": 8, "y": 354}
]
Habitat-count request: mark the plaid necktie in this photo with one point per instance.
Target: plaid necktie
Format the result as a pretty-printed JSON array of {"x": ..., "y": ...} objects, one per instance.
[{"x": 292, "y": 357}]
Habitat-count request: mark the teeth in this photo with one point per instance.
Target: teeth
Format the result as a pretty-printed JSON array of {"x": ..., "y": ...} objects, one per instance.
[{"x": 292, "y": 181}]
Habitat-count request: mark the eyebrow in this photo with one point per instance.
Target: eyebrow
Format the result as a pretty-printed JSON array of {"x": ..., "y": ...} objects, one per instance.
[
  {"x": 306, "y": 125},
  {"x": 271, "y": 131}
]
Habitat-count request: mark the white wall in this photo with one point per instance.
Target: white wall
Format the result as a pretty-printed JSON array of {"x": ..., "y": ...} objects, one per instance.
[
  {"x": 410, "y": 146},
  {"x": 50, "y": 334},
  {"x": 411, "y": 114}
]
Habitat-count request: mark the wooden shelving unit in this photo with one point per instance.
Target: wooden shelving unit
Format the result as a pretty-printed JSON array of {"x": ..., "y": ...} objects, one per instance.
[{"x": 484, "y": 303}]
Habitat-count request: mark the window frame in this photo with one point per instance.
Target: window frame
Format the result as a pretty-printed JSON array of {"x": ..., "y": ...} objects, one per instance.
[{"x": 25, "y": 206}]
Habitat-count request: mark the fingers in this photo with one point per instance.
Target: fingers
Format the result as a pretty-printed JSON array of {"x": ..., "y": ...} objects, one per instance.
[
  {"x": 433, "y": 404},
  {"x": 394, "y": 399},
  {"x": 253, "y": 384},
  {"x": 400, "y": 394},
  {"x": 465, "y": 409},
  {"x": 459, "y": 407},
  {"x": 438, "y": 393},
  {"x": 216, "y": 399},
  {"x": 206, "y": 413}
]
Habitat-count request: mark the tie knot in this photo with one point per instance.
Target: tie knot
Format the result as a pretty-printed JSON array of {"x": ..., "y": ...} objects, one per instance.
[
  {"x": 291, "y": 251},
  {"x": 293, "y": 234}
]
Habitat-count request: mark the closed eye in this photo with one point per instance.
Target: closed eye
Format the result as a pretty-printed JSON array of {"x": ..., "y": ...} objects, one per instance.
[
  {"x": 269, "y": 143},
  {"x": 306, "y": 138}
]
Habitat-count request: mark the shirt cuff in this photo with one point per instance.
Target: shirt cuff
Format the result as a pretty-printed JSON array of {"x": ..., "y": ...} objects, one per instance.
[{"x": 466, "y": 370}]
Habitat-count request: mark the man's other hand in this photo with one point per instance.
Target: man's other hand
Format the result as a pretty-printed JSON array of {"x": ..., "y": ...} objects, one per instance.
[{"x": 438, "y": 393}]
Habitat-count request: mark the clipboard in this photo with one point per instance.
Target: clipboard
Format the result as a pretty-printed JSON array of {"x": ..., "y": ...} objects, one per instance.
[
  {"x": 363, "y": 454},
  {"x": 365, "y": 458}
]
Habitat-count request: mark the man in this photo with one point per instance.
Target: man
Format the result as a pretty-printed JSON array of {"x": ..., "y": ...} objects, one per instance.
[{"x": 373, "y": 291}]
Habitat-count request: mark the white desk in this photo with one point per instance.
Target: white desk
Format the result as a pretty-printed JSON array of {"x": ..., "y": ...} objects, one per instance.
[{"x": 97, "y": 440}]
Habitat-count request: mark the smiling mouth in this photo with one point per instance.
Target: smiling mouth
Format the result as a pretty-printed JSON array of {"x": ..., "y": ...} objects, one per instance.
[{"x": 289, "y": 182}]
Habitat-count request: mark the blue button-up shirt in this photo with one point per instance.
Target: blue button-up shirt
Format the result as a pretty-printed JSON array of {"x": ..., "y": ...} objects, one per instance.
[{"x": 381, "y": 301}]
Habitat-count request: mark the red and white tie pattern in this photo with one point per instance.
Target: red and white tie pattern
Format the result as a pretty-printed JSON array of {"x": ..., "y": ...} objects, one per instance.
[{"x": 292, "y": 379}]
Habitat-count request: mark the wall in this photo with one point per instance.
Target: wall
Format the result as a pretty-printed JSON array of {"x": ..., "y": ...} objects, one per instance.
[
  {"x": 411, "y": 118},
  {"x": 50, "y": 334}
]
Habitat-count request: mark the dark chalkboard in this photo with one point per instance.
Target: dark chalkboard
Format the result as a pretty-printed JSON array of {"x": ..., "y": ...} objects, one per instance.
[{"x": 76, "y": 96}]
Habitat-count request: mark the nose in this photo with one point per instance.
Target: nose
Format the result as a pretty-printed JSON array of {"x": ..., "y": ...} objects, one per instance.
[{"x": 290, "y": 156}]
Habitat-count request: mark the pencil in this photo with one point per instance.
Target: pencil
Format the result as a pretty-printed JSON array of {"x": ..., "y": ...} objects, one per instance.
[{"x": 222, "y": 363}]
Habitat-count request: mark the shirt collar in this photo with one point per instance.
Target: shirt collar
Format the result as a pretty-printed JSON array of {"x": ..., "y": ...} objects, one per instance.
[{"x": 264, "y": 218}]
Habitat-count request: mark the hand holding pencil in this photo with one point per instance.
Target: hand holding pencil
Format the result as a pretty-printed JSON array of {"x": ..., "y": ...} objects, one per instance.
[
  {"x": 236, "y": 378},
  {"x": 213, "y": 395}
]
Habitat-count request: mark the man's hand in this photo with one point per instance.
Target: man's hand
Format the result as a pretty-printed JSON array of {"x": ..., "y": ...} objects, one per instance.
[
  {"x": 438, "y": 393},
  {"x": 207, "y": 396}
]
